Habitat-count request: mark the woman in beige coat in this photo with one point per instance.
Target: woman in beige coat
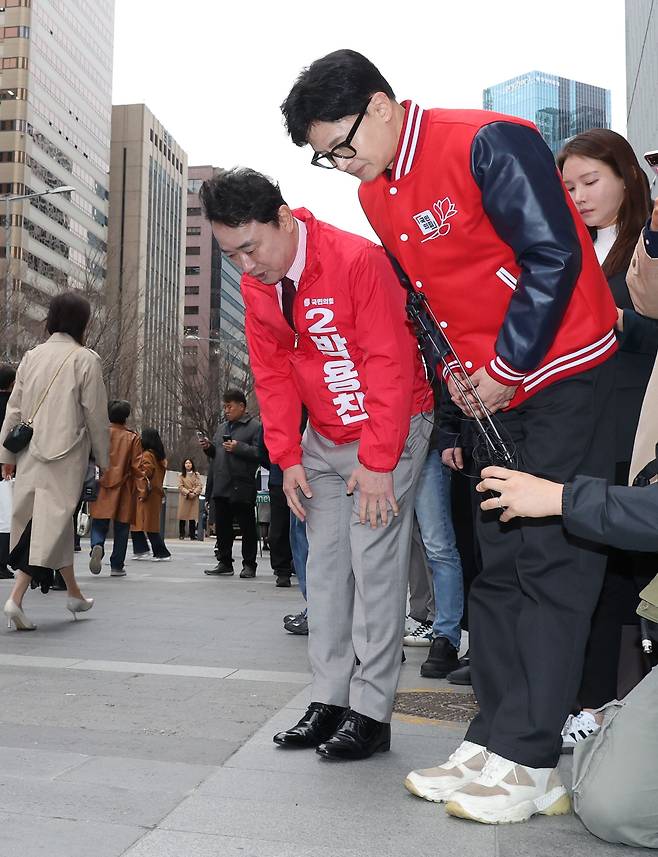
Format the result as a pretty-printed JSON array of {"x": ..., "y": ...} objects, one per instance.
[
  {"x": 70, "y": 424},
  {"x": 189, "y": 491}
]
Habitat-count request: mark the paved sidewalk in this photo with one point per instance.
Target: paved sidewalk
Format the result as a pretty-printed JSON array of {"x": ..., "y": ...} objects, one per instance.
[{"x": 145, "y": 730}]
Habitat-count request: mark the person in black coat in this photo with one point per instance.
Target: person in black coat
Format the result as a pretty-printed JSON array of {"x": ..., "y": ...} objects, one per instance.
[
  {"x": 7, "y": 377},
  {"x": 611, "y": 192}
]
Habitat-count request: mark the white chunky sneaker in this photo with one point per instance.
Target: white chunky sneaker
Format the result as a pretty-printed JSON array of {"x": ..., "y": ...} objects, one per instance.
[
  {"x": 577, "y": 728},
  {"x": 507, "y": 792},
  {"x": 440, "y": 783},
  {"x": 420, "y": 636}
]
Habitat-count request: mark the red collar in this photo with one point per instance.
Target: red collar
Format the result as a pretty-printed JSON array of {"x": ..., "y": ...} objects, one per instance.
[{"x": 408, "y": 144}]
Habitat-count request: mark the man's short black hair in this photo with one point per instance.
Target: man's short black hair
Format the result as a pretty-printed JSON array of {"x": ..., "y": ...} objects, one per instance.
[
  {"x": 118, "y": 411},
  {"x": 69, "y": 313},
  {"x": 235, "y": 395},
  {"x": 331, "y": 88},
  {"x": 7, "y": 376},
  {"x": 238, "y": 196}
]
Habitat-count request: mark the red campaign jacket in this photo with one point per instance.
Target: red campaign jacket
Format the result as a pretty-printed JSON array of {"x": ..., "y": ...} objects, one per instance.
[
  {"x": 479, "y": 219},
  {"x": 353, "y": 361}
]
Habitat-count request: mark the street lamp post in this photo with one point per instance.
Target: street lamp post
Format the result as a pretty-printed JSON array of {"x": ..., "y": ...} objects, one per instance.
[{"x": 8, "y": 278}]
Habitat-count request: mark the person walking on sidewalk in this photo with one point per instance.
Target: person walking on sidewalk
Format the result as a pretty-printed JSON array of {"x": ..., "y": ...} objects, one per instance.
[
  {"x": 189, "y": 491},
  {"x": 59, "y": 388},
  {"x": 471, "y": 206},
  {"x": 326, "y": 327},
  {"x": 120, "y": 485},
  {"x": 149, "y": 504},
  {"x": 235, "y": 458}
]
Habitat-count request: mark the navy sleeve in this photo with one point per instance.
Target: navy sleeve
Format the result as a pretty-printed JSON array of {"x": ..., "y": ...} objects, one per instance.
[
  {"x": 640, "y": 334},
  {"x": 650, "y": 240},
  {"x": 524, "y": 199}
]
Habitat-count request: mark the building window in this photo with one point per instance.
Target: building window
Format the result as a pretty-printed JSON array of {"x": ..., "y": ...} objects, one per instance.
[
  {"x": 14, "y": 62},
  {"x": 191, "y": 310},
  {"x": 190, "y": 330},
  {"x": 15, "y": 32},
  {"x": 193, "y": 251},
  {"x": 194, "y": 212},
  {"x": 191, "y": 290},
  {"x": 192, "y": 270},
  {"x": 193, "y": 230},
  {"x": 194, "y": 185}
]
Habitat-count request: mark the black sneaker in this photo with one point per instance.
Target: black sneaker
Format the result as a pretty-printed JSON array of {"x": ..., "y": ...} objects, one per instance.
[
  {"x": 283, "y": 580},
  {"x": 441, "y": 660},
  {"x": 6, "y": 573},
  {"x": 220, "y": 568},
  {"x": 248, "y": 571},
  {"x": 298, "y": 624}
]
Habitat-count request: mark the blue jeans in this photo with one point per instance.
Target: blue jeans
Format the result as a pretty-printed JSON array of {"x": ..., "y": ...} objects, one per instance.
[
  {"x": 435, "y": 522},
  {"x": 99, "y": 528},
  {"x": 299, "y": 548}
]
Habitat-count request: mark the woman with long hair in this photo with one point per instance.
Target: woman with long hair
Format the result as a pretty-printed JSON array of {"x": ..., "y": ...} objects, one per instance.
[
  {"x": 59, "y": 388},
  {"x": 611, "y": 192},
  {"x": 189, "y": 491},
  {"x": 147, "y": 519}
]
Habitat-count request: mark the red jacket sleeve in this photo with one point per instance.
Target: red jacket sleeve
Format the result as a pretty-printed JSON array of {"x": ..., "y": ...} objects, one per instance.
[
  {"x": 388, "y": 353},
  {"x": 279, "y": 401}
]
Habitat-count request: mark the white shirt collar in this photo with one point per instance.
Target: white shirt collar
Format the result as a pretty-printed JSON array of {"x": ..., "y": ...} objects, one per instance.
[{"x": 299, "y": 262}]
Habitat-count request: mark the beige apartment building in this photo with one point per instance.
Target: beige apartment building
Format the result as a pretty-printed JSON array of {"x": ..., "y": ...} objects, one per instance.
[
  {"x": 55, "y": 112},
  {"x": 146, "y": 262}
]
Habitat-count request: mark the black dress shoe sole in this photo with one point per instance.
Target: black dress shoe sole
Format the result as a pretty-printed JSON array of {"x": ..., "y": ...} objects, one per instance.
[
  {"x": 435, "y": 672},
  {"x": 211, "y": 573},
  {"x": 334, "y": 756}
]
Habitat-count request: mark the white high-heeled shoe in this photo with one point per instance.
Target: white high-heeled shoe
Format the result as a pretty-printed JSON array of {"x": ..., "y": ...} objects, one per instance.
[
  {"x": 14, "y": 614},
  {"x": 79, "y": 605}
]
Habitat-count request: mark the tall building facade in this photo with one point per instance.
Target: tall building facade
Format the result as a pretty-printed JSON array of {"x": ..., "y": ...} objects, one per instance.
[
  {"x": 642, "y": 77},
  {"x": 559, "y": 107},
  {"x": 146, "y": 264},
  {"x": 55, "y": 100},
  {"x": 214, "y": 338}
]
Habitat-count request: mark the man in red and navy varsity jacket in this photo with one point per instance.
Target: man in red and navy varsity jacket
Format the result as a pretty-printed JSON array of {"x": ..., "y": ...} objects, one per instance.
[
  {"x": 471, "y": 205},
  {"x": 326, "y": 328}
]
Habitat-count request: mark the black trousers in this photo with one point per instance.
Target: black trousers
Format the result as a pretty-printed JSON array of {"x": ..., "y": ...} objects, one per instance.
[
  {"x": 181, "y": 529},
  {"x": 531, "y": 606},
  {"x": 245, "y": 515},
  {"x": 4, "y": 551},
  {"x": 279, "y": 534}
]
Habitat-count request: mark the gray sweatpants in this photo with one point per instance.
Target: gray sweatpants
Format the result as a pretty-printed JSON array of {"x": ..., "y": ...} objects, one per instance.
[
  {"x": 615, "y": 772},
  {"x": 356, "y": 576}
]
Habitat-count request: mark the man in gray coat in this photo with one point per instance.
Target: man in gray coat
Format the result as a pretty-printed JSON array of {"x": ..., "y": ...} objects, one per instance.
[{"x": 234, "y": 454}]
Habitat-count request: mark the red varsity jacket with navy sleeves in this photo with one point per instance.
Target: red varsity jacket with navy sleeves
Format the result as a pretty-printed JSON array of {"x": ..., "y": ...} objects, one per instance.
[{"x": 477, "y": 215}]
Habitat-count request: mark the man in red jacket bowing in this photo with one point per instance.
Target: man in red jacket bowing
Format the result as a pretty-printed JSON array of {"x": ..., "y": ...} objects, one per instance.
[
  {"x": 471, "y": 205},
  {"x": 326, "y": 328}
]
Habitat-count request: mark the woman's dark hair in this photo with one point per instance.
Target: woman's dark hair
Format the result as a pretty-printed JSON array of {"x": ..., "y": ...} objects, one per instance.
[
  {"x": 238, "y": 196},
  {"x": 331, "y": 88},
  {"x": 235, "y": 395},
  {"x": 7, "y": 376},
  {"x": 183, "y": 469},
  {"x": 152, "y": 441},
  {"x": 69, "y": 313},
  {"x": 601, "y": 144},
  {"x": 118, "y": 411}
]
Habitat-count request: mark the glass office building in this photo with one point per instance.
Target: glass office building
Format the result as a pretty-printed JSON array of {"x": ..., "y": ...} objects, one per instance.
[{"x": 559, "y": 107}]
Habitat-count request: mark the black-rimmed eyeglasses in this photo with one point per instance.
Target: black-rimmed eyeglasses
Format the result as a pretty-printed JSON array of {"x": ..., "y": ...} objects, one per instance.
[{"x": 344, "y": 150}]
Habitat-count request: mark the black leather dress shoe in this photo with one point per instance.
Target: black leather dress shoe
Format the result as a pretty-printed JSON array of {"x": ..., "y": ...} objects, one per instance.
[
  {"x": 357, "y": 737},
  {"x": 460, "y": 676},
  {"x": 318, "y": 723},
  {"x": 220, "y": 568},
  {"x": 248, "y": 571}
]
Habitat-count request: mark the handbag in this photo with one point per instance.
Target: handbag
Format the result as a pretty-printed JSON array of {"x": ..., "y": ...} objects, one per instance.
[
  {"x": 91, "y": 485},
  {"x": 20, "y": 436}
]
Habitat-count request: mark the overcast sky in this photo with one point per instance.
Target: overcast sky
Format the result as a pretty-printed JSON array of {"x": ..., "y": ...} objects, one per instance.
[{"x": 214, "y": 72}]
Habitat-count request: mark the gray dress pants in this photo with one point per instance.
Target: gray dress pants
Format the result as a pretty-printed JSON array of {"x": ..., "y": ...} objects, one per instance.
[{"x": 356, "y": 576}]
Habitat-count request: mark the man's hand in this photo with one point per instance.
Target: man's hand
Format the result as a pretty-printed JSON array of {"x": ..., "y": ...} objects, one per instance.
[
  {"x": 204, "y": 443},
  {"x": 620, "y": 320},
  {"x": 453, "y": 457},
  {"x": 520, "y": 494},
  {"x": 8, "y": 471},
  {"x": 295, "y": 478},
  {"x": 461, "y": 399},
  {"x": 230, "y": 445},
  {"x": 653, "y": 225},
  {"x": 375, "y": 495},
  {"x": 494, "y": 395}
]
